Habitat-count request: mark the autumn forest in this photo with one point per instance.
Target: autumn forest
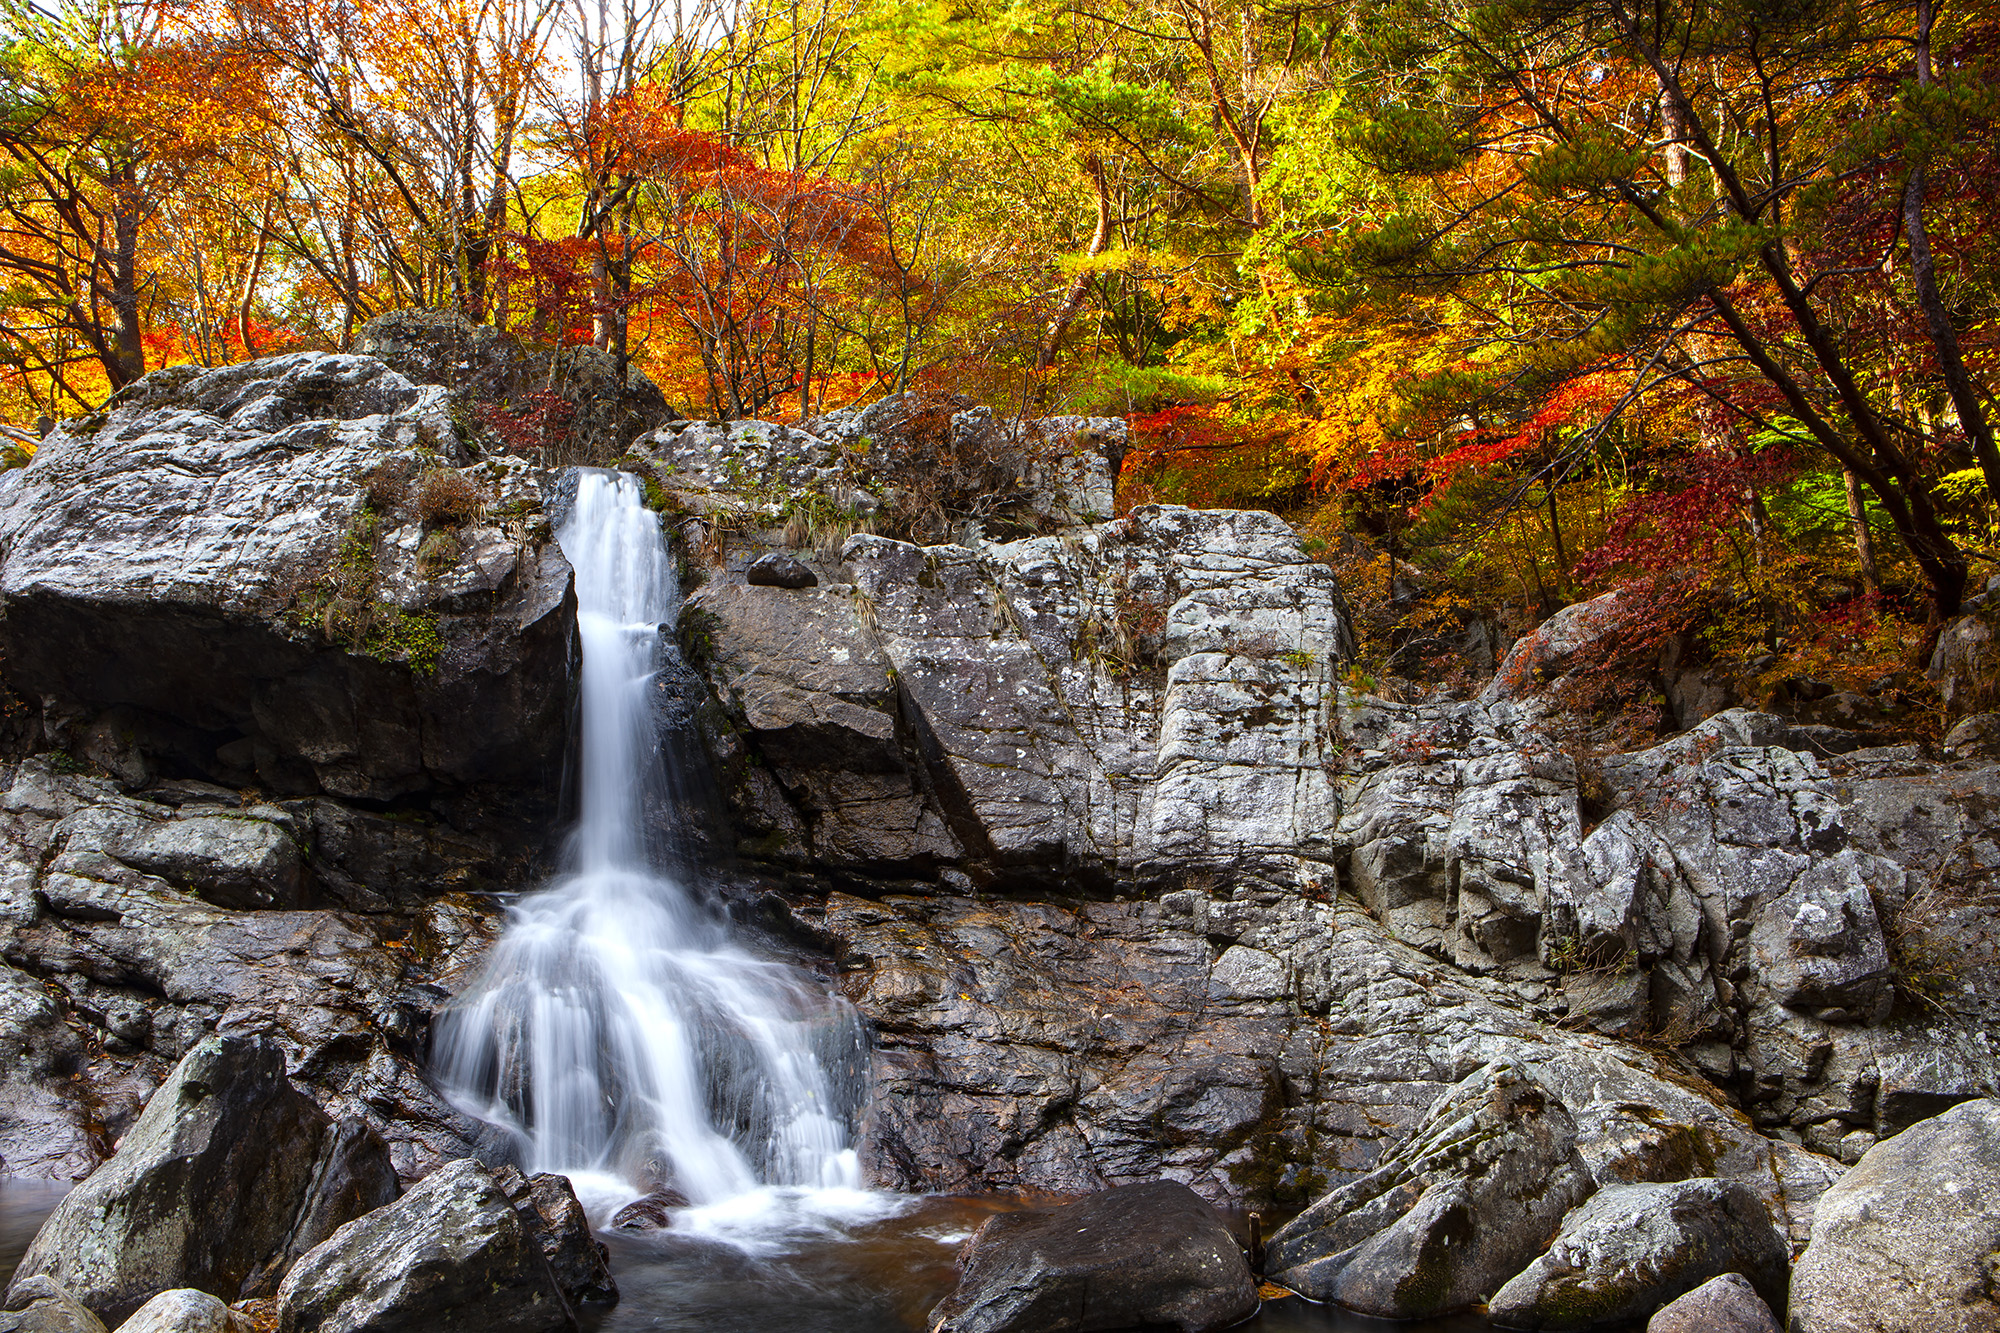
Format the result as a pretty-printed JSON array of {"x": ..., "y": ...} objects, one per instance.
[{"x": 1506, "y": 304}]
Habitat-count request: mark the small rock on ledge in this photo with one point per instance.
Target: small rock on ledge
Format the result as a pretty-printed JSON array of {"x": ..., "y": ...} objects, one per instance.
[
  {"x": 778, "y": 570},
  {"x": 1155, "y": 1255}
]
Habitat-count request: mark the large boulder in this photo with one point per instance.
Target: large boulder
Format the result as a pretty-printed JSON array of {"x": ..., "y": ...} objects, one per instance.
[
  {"x": 1153, "y": 1256},
  {"x": 451, "y": 1256},
  {"x": 1726, "y": 1304},
  {"x": 39, "y": 1305},
  {"x": 1910, "y": 1237},
  {"x": 1451, "y": 1214},
  {"x": 548, "y": 1207},
  {"x": 328, "y": 604},
  {"x": 1632, "y": 1248},
  {"x": 228, "y": 1174}
]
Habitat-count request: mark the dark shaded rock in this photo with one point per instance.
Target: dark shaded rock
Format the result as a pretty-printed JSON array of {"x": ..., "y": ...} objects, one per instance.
[
  {"x": 215, "y": 1184},
  {"x": 451, "y": 1256},
  {"x": 41, "y": 1305},
  {"x": 1153, "y": 1255},
  {"x": 1452, "y": 1213},
  {"x": 185, "y": 1311},
  {"x": 549, "y": 1209},
  {"x": 779, "y": 570},
  {"x": 1910, "y": 1236},
  {"x": 652, "y": 1213},
  {"x": 1726, "y": 1304},
  {"x": 1632, "y": 1248}
]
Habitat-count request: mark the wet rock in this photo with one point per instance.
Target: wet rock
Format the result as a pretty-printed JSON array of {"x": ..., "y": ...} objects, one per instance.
[
  {"x": 185, "y": 1311},
  {"x": 652, "y": 1213},
  {"x": 1153, "y": 1255},
  {"x": 41, "y": 1305},
  {"x": 778, "y": 570},
  {"x": 1726, "y": 1304},
  {"x": 1450, "y": 1214},
  {"x": 1632, "y": 1248},
  {"x": 451, "y": 1256},
  {"x": 1907, "y": 1239},
  {"x": 228, "y": 1172},
  {"x": 549, "y": 1209}
]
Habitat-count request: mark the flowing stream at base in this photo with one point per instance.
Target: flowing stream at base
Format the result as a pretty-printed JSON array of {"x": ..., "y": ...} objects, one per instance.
[
  {"x": 620, "y": 1031},
  {"x": 631, "y": 1042}
]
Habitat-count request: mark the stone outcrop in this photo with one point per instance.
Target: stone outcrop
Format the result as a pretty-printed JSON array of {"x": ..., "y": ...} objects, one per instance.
[
  {"x": 333, "y": 596},
  {"x": 228, "y": 1175},
  {"x": 451, "y": 1256},
  {"x": 134, "y": 925},
  {"x": 1151, "y": 1256},
  {"x": 1633, "y": 1248},
  {"x": 1910, "y": 1237},
  {"x": 1456, "y": 1209},
  {"x": 1136, "y": 700}
]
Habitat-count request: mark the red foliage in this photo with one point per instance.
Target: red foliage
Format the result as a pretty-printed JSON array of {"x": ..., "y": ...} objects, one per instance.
[
  {"x": 1688, "y": 521},
  {"x": 538, "y": 421}
]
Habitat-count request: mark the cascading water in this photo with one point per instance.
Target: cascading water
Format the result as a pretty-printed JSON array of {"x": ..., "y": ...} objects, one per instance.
[{"x": 619, "y": 1030}]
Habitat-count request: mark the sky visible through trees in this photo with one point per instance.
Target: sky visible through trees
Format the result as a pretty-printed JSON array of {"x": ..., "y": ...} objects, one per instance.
[{"x": 1505, "y": 304}]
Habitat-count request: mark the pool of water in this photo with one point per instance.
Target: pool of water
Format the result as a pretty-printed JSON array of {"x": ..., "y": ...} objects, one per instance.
[
  {"x": 827, "y": 1265},
  {"x": 827, "y": 1272}
]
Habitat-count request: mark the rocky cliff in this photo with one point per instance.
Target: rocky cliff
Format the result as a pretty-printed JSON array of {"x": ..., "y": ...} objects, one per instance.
[{"x": 1078, "y": 809}]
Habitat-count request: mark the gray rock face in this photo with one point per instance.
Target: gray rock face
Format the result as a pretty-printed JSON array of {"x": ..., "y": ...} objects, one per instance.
[
  {"x": 185, "y": 1311},
  {"x": 1910, "y": 1237},
  {"x": 1726, "y": 1304},
  {"x": 1966, "y": 664},
  {"x": 1152, "y": 1255},
  {"x": 228, "y": 1173},
  {"x": 451, "y": 1256},
  {"x": 258, "y": 528},
  {"x": 40, "y": 1305},
  {"x": 1450, "y": 1214},
  {"x": 1130, "y": 699},
  {"x": 1632, "y": 1248},
  {"x": 106, "y": 958}
]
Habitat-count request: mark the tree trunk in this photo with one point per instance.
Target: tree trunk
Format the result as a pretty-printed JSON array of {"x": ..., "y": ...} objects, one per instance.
[
  {"x": 1864, "y": 541},
  {"x": 1079, "y": 285}
]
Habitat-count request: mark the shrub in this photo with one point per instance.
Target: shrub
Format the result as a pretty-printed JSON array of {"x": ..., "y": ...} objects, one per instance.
[
  {"x": 448, "y": 498},
  {"x": 439, "y": 552}
]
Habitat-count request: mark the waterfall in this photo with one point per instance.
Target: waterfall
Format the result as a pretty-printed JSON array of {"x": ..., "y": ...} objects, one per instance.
[{"x": 620, "y": 1031}]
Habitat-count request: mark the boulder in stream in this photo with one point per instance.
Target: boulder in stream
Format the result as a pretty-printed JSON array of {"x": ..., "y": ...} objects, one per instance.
[
  {"x": 451, "y": 1256},
  {"x": 1910, "y": 1237},
  {"x": 229, "y": 1172},
  {"x": 1155, "y": 1255},
  {"x": 1632, "y": 1248}
]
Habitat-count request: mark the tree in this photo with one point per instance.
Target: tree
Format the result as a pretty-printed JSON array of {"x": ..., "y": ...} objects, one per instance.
[{"x": 1661, "y": 193}]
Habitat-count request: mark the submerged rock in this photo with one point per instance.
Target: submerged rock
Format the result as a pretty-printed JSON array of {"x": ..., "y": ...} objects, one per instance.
[
  {"x": 1153, "y": 1255},
  {"x": 451, "y": 1256},
  {"x": 1632, "y": 1248},
  {"x": 42, "y": 1305},
  {"x": 1910, "y": 1237},
  {"x": 228, "y": 1174},
  {"x": 1450, "y": 1214},
  {"x": 652, "y": 1213},
  {"x": 1726, "y": 1304}
]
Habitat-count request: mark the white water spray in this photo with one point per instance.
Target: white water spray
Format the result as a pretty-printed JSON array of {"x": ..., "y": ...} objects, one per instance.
[{"x": 618, "y": 1030}]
